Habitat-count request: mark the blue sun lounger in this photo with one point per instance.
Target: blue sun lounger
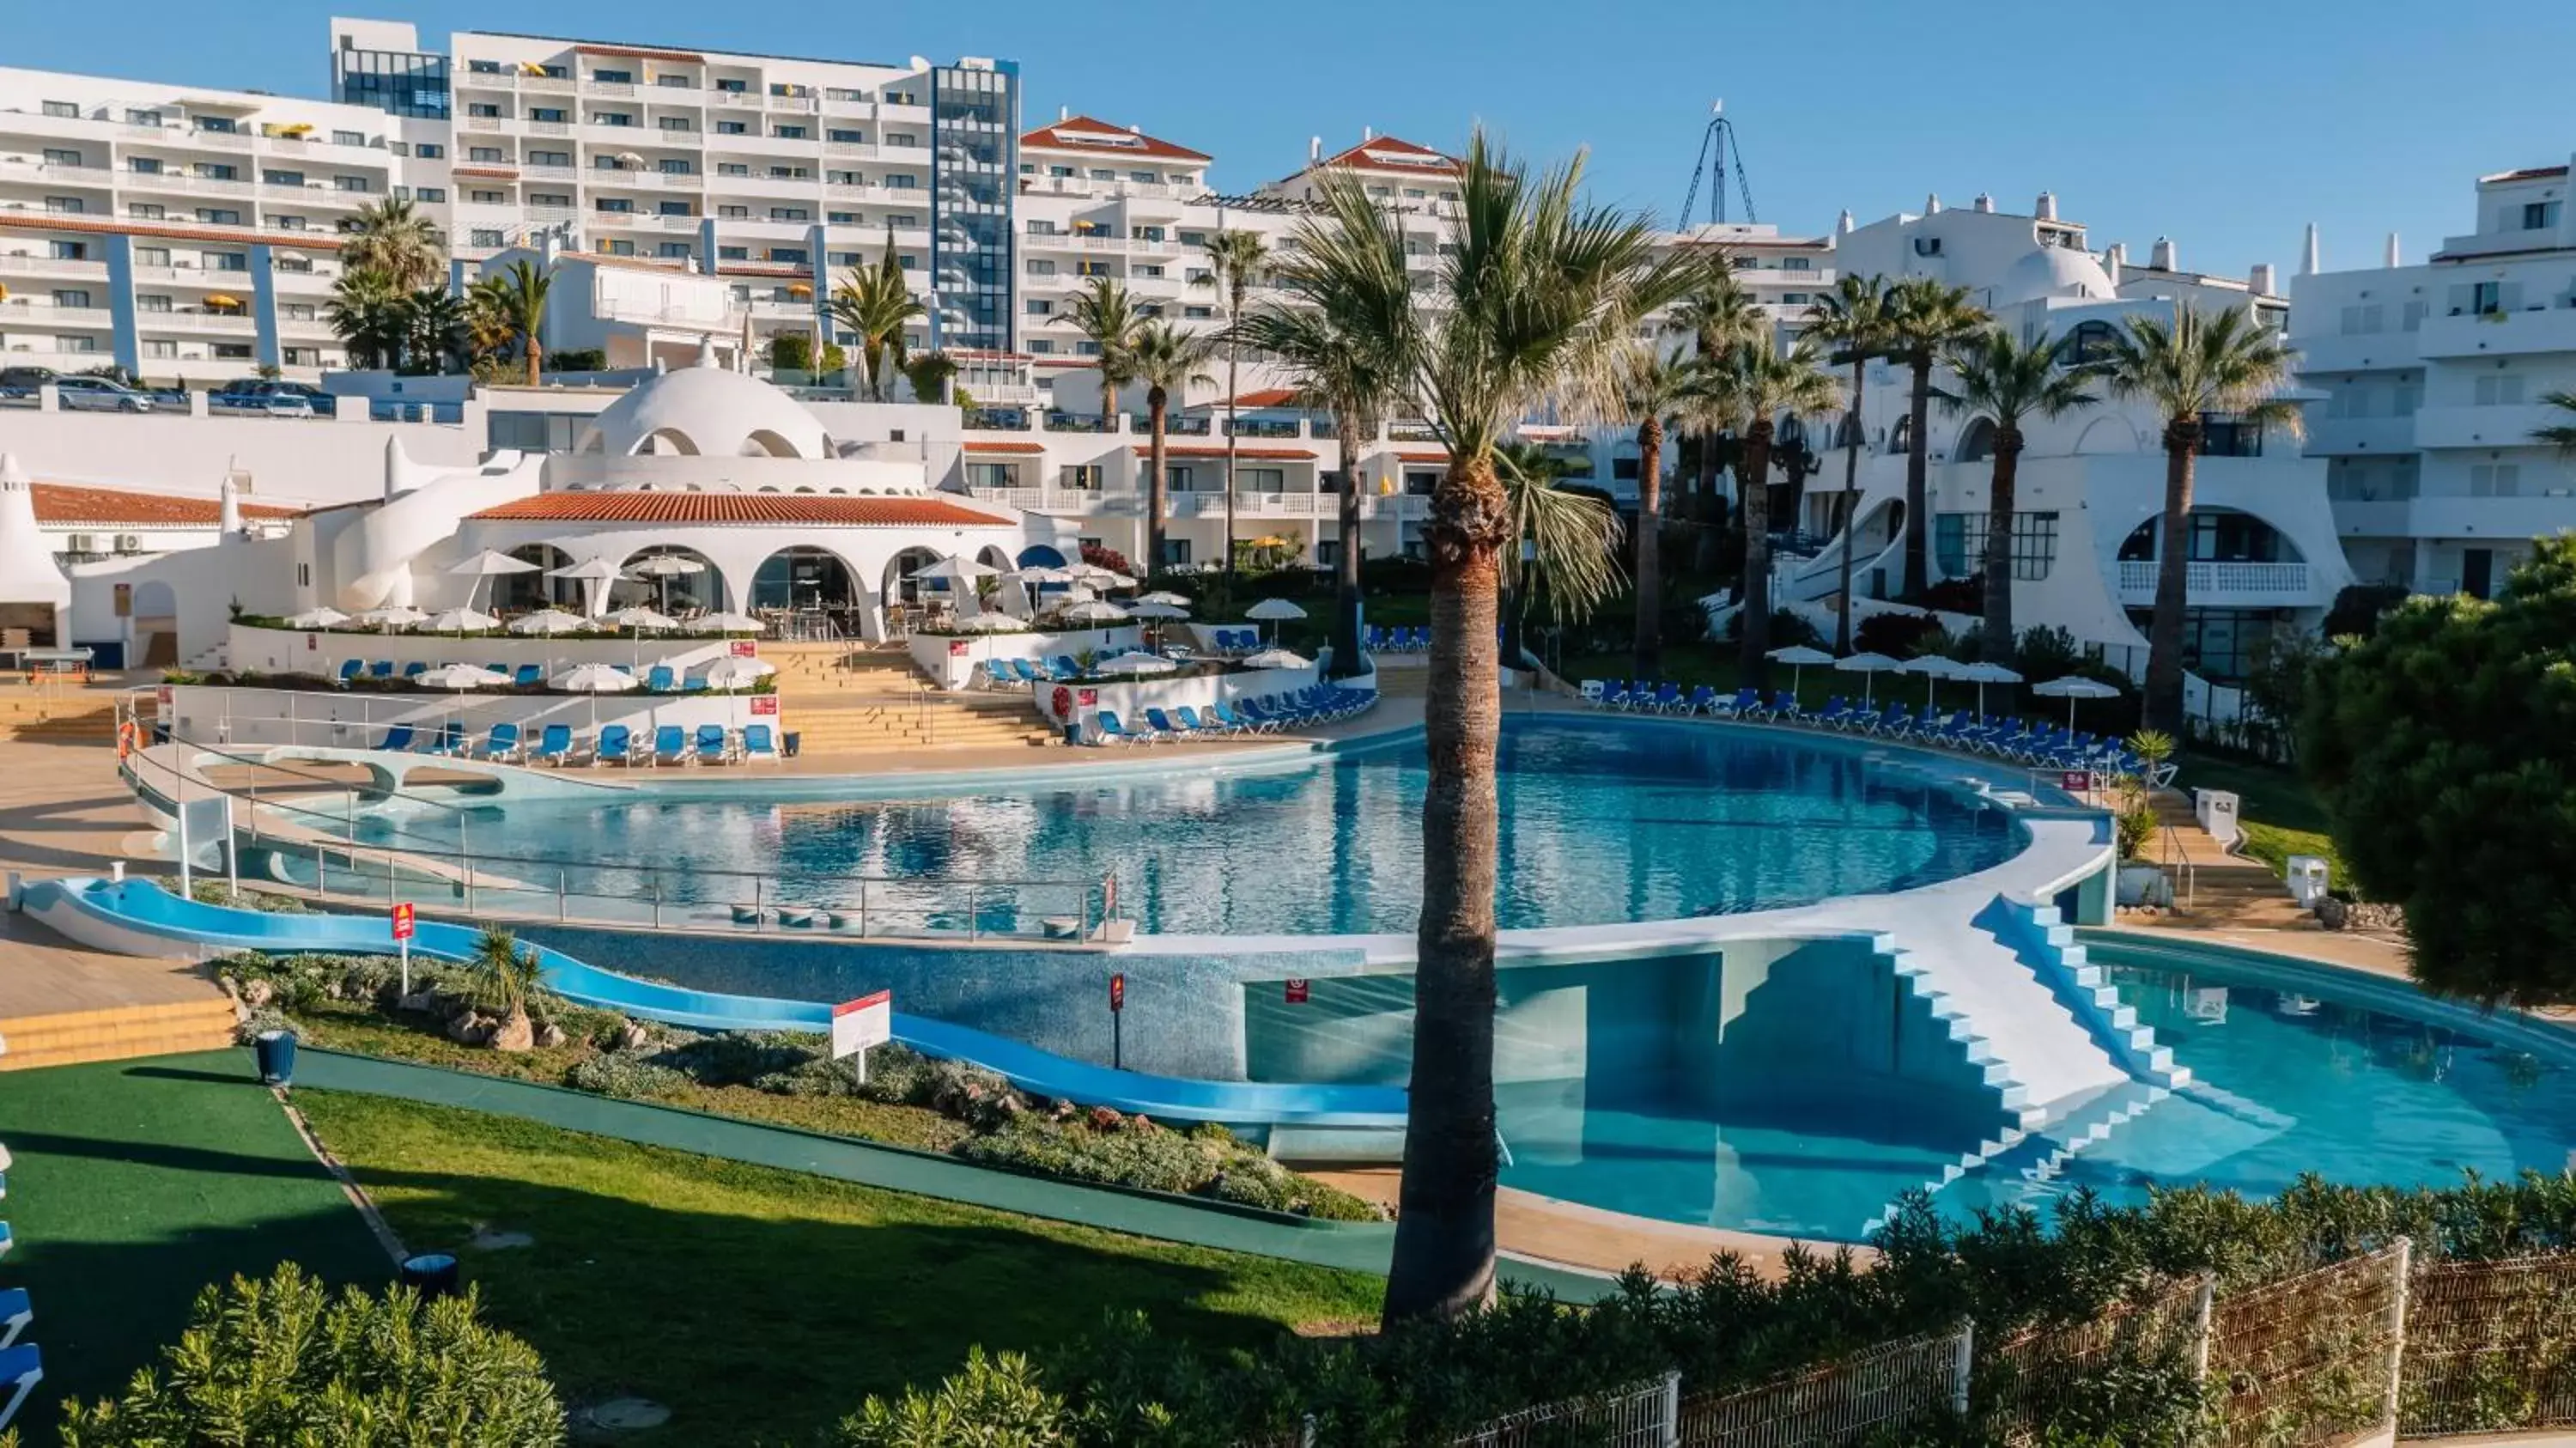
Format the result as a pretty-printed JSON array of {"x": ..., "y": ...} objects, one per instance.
[
  {"x": 616, "y": 741},
  {"x": 554, "y": 745},
  {"x": 711, "y": 747},
  {"x": 670, "y": 744}
]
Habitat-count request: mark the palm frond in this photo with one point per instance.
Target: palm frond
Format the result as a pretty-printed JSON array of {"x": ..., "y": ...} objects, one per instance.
[{"x": 1574, "y": 537}]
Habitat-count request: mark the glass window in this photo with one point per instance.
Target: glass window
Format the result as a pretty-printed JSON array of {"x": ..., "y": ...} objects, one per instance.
[{"x": 429, "y": 151}]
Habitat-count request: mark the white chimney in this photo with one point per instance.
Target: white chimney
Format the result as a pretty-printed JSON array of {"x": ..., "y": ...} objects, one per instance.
[
  {"x": 1983, "y": 202},
  {"x": 2395, "y": 258},
  {"x": 228, "y": 513},
  {"x": 2262, "y": 282},
  {"x": 1843, "y": 224},
  {"x": 2114, "y": 259},
  {"x": 2308, "y": 254},
  {"x": 2047, "y": 208},
  {"x": 1932, "y": 204},
  {"x": 1135, "y": 130},
  {"x": 1367, "y": 134},
  {"x": 2161, "y": 255},
  {"x": 1064, "y": 113},
  {"x": 1314, "y": 148},
  {"x": 27, "y": 567}
]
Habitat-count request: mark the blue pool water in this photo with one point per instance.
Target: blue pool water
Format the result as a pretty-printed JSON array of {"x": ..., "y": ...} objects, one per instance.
[
  {"x": 1602, "y": 822},
  {"x": 2354, "y": 1082}
]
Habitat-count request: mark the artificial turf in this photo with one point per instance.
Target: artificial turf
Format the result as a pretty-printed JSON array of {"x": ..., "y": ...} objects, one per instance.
[
  {"x": 134, "y": 1184},
  {"x": 760, "y": 1304}
]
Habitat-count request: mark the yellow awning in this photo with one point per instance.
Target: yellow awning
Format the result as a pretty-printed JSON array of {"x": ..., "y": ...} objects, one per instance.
[
  {"x": 219, "y": 299},
  {"x": 802, "y": 289}
]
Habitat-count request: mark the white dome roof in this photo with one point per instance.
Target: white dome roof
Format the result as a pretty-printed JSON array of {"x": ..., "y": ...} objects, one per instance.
[
  {"x": 707, "y": 411},
  {"x": 2055, "y": 271}
]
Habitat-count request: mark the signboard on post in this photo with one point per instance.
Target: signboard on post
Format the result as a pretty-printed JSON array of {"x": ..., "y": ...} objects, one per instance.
[
  {"x": 764, "y": 706},
  {"x": 859, "y": 1024},
  {"x": 2077, "y": 781},
  {"x": 402, "y": 939},
  {"x": 743, "y": 649},
  {"x": 1118, "y": 1021}
]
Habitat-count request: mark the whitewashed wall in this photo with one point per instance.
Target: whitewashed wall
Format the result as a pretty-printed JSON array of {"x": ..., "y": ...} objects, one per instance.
[{"x": 952, "y": 661}]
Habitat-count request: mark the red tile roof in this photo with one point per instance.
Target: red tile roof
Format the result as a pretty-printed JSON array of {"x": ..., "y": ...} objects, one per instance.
[
  {"x": 1387, "y": 153},
  {"x": 116, "y": 226},
  {"x": 823, "y": 509},
  {"x": 1268, "y": 397},
  {"x": 1263, "y": 454},
  {"x": 1099, "y": 138},
  {"x": 2527, "y": 173},
  {"x": 1423, "y": 457},
  {"x": 1006, "y": 447},
  {"x": 65, "y": 505},
  {"x": 497, "y": 173}
]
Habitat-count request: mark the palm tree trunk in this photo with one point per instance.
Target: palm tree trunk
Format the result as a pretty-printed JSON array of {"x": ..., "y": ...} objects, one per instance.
[
  {"x": 1998, "y": 626},
  {"x": 536, "y": 356},
  {"x": 1704, "y": 510},
  {"x": 1233, "y": 359},
  {"x": 1752, "y": 660},
  {"x": 1346, "y": 566},
  {"x": 1154, "y": 500},
  {"x": 1650, "y": 549},
  {"x": 1918, "y": 567},
  {"x": 1444, "y": 1232},
  {"x": 1851, "y": 510},
  {"x": 2164, "y": 701}
]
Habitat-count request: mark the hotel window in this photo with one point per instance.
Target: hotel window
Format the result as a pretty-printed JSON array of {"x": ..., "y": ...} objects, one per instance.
[
  {"x": 65, "y": 205},
  {"x": 903, "y": 138},
  {"x": 488, "y": 198},
  {"x": 1060, "y": 171},
  {"x": 550, "y": 198},
  {"x": 215, "y": 171},
  {"x": 733, "y": 87},
  {"x": 676, "y": 167},
  {"x": 352, "y": 183},
  {"x": 65, "y": 109},
  {"x": 226, "y": 261},
  {"x": 1040, "y": 307},
  {"x": 1147, "y": 177},
  {"x": 57, "y": 157},
  {"x": 2362, "y": 321},
  {"x": 1795, "y": 263},
  {"x": 218, "y": 216},
  {"x": 846, "y": 138},
  {"x": 430, "y": 151},
  {"x": 732, "y": 128},
  {"x": 219, "y": 125},
  {"x": 675, "y": 82},
  {"x": 152, "y": 302},
  {"x": 483, "y": 109},
  {"x": 152, "y": 256},
  {"x": 793, "y": 133},
  {"x": 604, "y": 161},
  {"x": 1261, "y": 480},
  {"x": 613, "y": 77},
  {"x": 134, "y": 117},
  {"x": 432, "y": 194},
  {"x": 160, "y": 347},
  {"x": 618, "y": 248},
  {"x": 1040, "y": 346},
  {"x": 550, "y": 158},
  {"x": 483, "y": 67},
  {"x": 2495, "y": 480},
  {"x": 790, "y": 213},
  {"x": 902, "y": 183},
  {"x": 550, "y": 115},
  {"x": 788, "y": 255},
  {"x": 842, "y": 218},
  {"x": 1180, "y": 477},
  {"x": 992, "y": 475},
  {"x": 732, "y": 168},
  {"x": 733, "y": 253},
  {"x": 143, "y": 165},
  {"x": 2486, "y": 298},
  {"x": 611, "y": 118},
  {"x": 303, "y": 357},
  {"x": 295, "y": 311},
  {"x": 672, "y": 250},
  {"x": 2539, "y": 215},
  {"x": 66, "y": 297},
  {"x": 1199, "y": 314},
  {"x": 674, "y": 208},
  {"x": 146, "y": 210},
  {"x": 734, "y": 213},
  {"x": 677, "y": 123},
  {"x": 348, "y": 138},
  {"x": 1041, "y": 267},
  {"x": 615, "y": 205},
  {"x": 484, "y": 155},
  {"x": 281, "y": 178},
  {"x": 75, "y": 344},
  {"x": 2498, "y": 390},
  {"x": 229, "y": 351},
  {"x": 483, "y": 236}
]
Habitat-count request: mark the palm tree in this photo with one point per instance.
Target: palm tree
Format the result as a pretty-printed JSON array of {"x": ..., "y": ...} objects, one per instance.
[
  {"x": 2561, "y": 436},
  {"x": 2187, "y": 369},
  {"x": 875, "y": 305},
  {"x": 1572, "y": 541},
  {"x": 1334, "y": 370},
  {"x": 487, "y": 318},
  {"x": 1718, "y": 315},
  {"x": 1924, "y": 316},
  {"x": 1167, "y": 360},
  {"x": 366, "y": 314},
  {"x": 1657, "y": 388},
  {"x": 434, "y": 328},
  {"x": 503, "y": 980},
  {"x": 1235, "y": 258},
  {"x": 1105, "y": 315},
  {"x": 2006, "y": 381},
  {"x": 1533, "y": 306},
  {"x": 392, "y": 237},
  {"x": 1766, "y": 383},
  {"x": 1852, "y": 321},
  {"x": 522, "y": 299}
]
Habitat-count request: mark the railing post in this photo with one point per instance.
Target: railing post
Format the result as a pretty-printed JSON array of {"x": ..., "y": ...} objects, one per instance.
[
  {"x": 863, "y": 906},
  {"x": 2203, "y": 1305},
  {"x": 756, "y": 911},
  {"x": 1668, "y": 1432},
  {"x": 1963, "y": 1360},
  {"x": 560, "y": 891},
  {"x": 2404, "y": 1268},
  {"x": 657, "y": 898}
]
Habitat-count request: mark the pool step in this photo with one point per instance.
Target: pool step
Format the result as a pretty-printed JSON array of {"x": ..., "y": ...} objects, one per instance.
[
  {"x": 116, "y": 1033},
  {"x": 2041, "y": 940}
]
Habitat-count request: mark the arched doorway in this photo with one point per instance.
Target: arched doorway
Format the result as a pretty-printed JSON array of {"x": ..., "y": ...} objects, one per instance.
[
  {"x": 1039, "y": 555},
  {"x": 907, "y": 598},
  {"x": 808, "y": 593},
  {"x": 156, "y": 626},
  {"x": 1976, "y": 442},
  {"x": 675, "y": 587},
  {"x": 517, "y": 592}
]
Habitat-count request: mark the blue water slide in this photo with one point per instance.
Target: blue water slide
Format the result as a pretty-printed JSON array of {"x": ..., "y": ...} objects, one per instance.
[{"x": 111, "y": 914}]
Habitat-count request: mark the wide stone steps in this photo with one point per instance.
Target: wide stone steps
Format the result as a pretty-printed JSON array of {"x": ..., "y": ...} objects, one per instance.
[
  {"x": 83, "y": 722},
  {"x": 118, "y": 1033}
]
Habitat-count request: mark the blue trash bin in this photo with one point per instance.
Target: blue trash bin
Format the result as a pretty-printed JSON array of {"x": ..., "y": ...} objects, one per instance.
[
  {"x": 431, "y": 1274},
  {"x": 276, "y": 1058}
]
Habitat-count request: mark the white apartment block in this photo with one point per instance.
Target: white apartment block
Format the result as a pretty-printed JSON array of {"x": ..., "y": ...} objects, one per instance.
[
  {"x": 184, "y": 232},
  {"x": 2432, "y": 378}
]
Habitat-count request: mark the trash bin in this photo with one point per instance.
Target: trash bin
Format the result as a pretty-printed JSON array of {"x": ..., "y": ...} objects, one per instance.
[
  {"x": 277, "y": 1058},
  {"x": 2308, "y": 880},
  {"x": 789, "y": 742},
  {"x": 1073, "y": 731},
  {"x": 431, "y": 1274}
]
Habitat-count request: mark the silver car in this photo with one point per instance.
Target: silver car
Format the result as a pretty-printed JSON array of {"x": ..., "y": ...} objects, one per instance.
[{"x": 97, "y": 394}]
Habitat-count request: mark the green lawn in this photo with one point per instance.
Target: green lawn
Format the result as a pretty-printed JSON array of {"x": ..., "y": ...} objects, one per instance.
[
  {"x": 2279, "y": 816},
  {"x": 136, "y": 1183},
  {"x": 763, "y": 1304}
]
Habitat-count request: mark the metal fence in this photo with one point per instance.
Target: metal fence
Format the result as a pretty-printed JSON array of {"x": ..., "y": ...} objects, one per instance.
[
  {"x": 2311, "y": 1360},
  {"x": 2033, "y": 1379},
  {"x": 2490, "y": 1346},
  {"x": 1640, "y": 1417},
  {"x": 1882, "y": 1391}
]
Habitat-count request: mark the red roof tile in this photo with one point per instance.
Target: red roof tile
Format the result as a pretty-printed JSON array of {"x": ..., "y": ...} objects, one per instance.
[
  {"x": 1006, "y": 447},
  {"x": 1387, "y": 153},
  {"x": 1099, "y": 138},
  {"x": 1268, "y": 397},
  {"x": 1262, "y": 454},
  {"x": 497, "y": 173},
  {"x": 1423, "y": 457},
  {"x": 825, "y": 509},
  {"x": 2527, "y": 173},
  {"x": 65, "y": 505},
  {"x": 636, "y": 53},
  {"x": 117, "y": 226}
]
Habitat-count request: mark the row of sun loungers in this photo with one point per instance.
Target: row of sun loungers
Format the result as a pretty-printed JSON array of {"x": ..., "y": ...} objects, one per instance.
[
  {"x": 557, "y": 744},
  {"x": 1020, "y": 673},
  {"x": 1322, "y": 704},
  {"x": 2014, "y": 741},
  {"x": 658, "y": 678}
]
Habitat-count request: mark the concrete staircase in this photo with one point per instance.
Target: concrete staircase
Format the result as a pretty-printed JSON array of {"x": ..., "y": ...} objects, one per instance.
[
  {"x": 115, "y": 1033},
  {"x": 840, "y": 700},
  {"x": 2222, "y": 891},
  {"x": 62, "y": 716}
]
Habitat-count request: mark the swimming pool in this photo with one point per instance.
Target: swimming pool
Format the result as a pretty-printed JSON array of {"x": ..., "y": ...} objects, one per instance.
[
  {"x": 1603, "y": 821},
  {"x": 2296, "y": 1069}
]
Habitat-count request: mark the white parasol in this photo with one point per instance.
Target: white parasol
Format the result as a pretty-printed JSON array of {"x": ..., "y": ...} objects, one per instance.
[
  {"x": 325, "y": 617},
  {"x": 2074, "y": 687},
  {"x": 461, "y": 620},
  {"x": 1799, "y": 658},
  {"x": 1276, "y": 659},
  {"x": 1870, "y": 665},
  {"x": 1135, "y": 664},
  {"x": 1981, "y": 674}
]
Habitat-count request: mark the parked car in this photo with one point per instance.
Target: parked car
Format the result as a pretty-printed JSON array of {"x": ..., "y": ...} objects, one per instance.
[
  {"x": 97, "y": 394},
  {"x": 19, "y": 384},
  {"x": 251, "y": 397}
]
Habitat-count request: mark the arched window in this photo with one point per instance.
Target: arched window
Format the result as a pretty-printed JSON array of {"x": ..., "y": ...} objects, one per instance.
[
  {"x": 2089, "y": 342},
  {"x": 1977, "y": 441},
  {"x": 765, "y": 443},
  {"x": 1900, "y": 438},
  {"x": 515, "y": 591},
  {"x": 668, "y": 442}
]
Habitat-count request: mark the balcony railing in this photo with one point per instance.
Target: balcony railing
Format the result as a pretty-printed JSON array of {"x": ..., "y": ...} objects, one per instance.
[
  {"x": 2212, "y": 581},
  {"x": 1174, "y": 425},
  {"x": 1079, "y": 422},
  {"x": 1263, "y": 427}
]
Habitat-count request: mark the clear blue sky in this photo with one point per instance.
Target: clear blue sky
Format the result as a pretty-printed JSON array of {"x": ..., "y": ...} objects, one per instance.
[{"x": 2225, "y": 125}]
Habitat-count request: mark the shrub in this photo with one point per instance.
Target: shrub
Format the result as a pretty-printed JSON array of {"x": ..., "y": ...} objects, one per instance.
[
  {"x": 1897, "y": 635},
  {"x": 739, "y": 1058},
  {"x": 1957, "y": 595},
  {"x": 278, "y": 1361},
  {"x": 1101, "y": 556},
  {"x": 2047, "y": 653},
  {"x": 1133, "y": 1151},
  {"x": 259, "y": 1023},
  {"x": 995, "y": 1402},
  {"x": 2357, "y": 609},
  {"x": 1787, "y": 628},
  {"x": 625, "y": 1075},
  {"x": 217, "y": 892}
]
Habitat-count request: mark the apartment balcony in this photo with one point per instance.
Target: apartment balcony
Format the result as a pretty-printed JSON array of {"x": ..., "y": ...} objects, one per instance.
[
  {"x": 2487, "y": 427},
  {"x": 2370, "y": 436},
  {"x": 805, "y": 105},
  {"x": 567, "y": 174},
  {"x": 2499, "y": 334},
  {"x": 212, "y": 279},
  {"x": 486, "y": 125},
  {"x": 553, "y": 85},
  {"x": 547, "y": 128},
  {"x": 2507, "y": 519},
  {"x": 892, "y": 111},
  {"x": 218, "y": 140},
  {"x": 2242, "y": 585},
  {"x": 2361, "y": 352},
  {"x": 50, "y": 174},
  {"x": 613, "y": 88},
  {"x": 312, "y": 283},
  {"x": 48, "y": 266},
  {"x": 216, "y": 323},
  {"x": 183, "y": 182},
  {"x": 22, "y": 313}
]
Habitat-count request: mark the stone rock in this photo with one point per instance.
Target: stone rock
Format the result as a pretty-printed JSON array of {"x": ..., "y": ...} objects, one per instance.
[
  {"x": 423, "y": 1000},
  {"x": 636, "y": 1037},
  {"x": 517, "y": 1033},
  {"x": 224, "y": 982},
  {"x": 470, "y": 1028},
  {"x": 2333, "y": 913},
  {"x": 549, "y": 1036},
  {"x": 258, "y": 993}
]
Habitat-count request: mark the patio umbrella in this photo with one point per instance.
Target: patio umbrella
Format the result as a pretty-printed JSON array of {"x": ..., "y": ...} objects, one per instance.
[
  {"x": 1165, "y": 595},
  {"x": 1870, "y": 665},
  {"x": 957, "y": 569},
  {"x": 731, "y": 623},
  {"x": 1981, "y": 674},
  {"x": 461, "y": 620},
  {"x": 663, "y": 567},
  {"x": 1135, "y": 664},
  {"x": 2074, "y": 687},
  {"x": 1271, "y": 611},
  {"x": 460, "y": 677},
  {"x": 641, "y": 618},
  {"x": 317, "y": 618},
  {"x": 1094, "y": 611},
  {"x": 595, "y": 575},
  {"x": 398, "y": 616},
  {"x": 1276, "y": 659},
  {"x": 548, "y": 622},
  {"x": 1799, "y": 657},
  {"x": 737, "y": 673},
  {"x": 991, "y": 623},
  {"x": 487, "y": 564},
  {"x": 1152, "y": 610},
  {"x": 1934, "y": 668},
  {"x": 595, "y": 680}
]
